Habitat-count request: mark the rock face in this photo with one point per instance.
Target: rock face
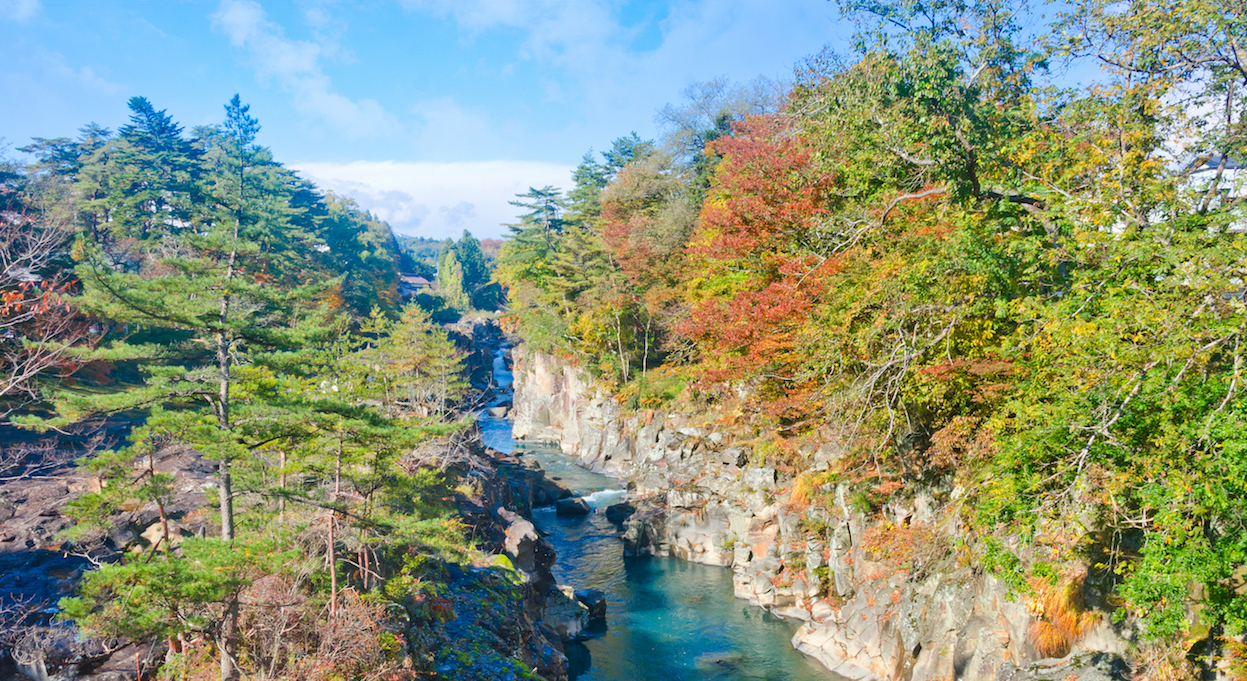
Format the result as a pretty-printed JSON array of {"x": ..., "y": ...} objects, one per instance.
[
  {"x": 695, "y": 495},
  {"x": 38, "y": 566},
  {"x": 529, "y": 553},
  {"x": 565, "y": 614}
]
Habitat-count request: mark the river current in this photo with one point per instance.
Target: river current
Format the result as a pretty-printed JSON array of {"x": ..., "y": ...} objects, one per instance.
[{"x": 667, "y": 619}]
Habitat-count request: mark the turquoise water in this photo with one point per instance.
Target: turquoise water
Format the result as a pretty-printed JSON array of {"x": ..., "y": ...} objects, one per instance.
[{"x": 667, "y": 619}]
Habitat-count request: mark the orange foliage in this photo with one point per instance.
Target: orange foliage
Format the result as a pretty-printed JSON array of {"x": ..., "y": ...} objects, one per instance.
[
  {"x": 758, "y": 291},
  {"x": 1062, "y": 615},
  {"x": 902, "y": 546}
]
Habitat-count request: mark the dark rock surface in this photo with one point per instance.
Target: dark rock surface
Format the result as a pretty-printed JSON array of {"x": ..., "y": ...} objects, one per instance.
[
  {"x": 595, "y": 601},
  {"x": 619, "y": 513},
  {"x": 572, "y": 507}
]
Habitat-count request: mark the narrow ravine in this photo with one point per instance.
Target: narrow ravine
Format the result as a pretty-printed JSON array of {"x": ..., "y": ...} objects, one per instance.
[{"x": 667, "y": 619}]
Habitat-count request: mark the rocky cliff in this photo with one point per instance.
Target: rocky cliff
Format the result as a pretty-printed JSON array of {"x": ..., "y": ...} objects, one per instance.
[{"x": 891, "y": 594}]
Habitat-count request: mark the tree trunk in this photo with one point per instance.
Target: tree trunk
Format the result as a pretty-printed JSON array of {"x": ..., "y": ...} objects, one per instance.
[
  {"x": 225, "y": 498},
  {"x": 229, "y": 641},
  {"x": 229, "y": 627},
  {"x": 160, "y": 505},
  {"x": 333, "y": 557},
  {"x": 281, "y": 483}
]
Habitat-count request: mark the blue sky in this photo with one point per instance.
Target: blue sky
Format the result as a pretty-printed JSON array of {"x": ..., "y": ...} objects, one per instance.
[{"x": 431, "y": 113}]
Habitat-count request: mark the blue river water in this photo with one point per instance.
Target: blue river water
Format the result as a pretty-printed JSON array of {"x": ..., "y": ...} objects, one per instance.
[{"x": 667, "y": 619}]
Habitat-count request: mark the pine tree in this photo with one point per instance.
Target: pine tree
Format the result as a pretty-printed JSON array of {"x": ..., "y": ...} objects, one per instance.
[
  {"x": 228, "y": 289},
  {"x": 451, "y": 279},
  {"x": 144, "y": 182}
]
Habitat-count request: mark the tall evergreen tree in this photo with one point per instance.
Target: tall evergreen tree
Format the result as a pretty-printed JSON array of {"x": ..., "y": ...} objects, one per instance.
[
  {"x": 145, "y": 182},
  {"x": 230, "y": 289}
]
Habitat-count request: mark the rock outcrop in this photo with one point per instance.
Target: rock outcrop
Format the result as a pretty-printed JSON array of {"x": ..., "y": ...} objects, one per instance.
[{"x": 876, "y": 597}]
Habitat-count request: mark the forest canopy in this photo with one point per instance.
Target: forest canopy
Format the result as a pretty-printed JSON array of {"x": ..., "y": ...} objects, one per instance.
[{"x": 967, "y": 271}]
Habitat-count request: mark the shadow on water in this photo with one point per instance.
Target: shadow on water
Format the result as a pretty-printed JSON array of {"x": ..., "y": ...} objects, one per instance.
[{"x": 667, "y": 619}]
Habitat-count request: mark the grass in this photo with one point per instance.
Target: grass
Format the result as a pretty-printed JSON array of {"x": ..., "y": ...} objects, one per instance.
[{"x": 1062, "y": 615}]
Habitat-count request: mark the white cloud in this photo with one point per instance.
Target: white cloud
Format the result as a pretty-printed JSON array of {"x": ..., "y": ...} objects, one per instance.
[
  {"x": 437, "y": 200},
  {"x": 557, "y": 30},
  {"x": 295, "y": 66},
  {"x": 460, "y": 214},
  {"x": 20, "y": 10}
]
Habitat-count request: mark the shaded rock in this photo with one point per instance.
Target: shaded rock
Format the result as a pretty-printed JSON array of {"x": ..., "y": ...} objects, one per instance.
[
  {"x": 564, "y": 613},
  {"x": 595, "y": 601},
  {"x": 572, "y": 507},
  {"x": 549, "y": 492},
  {"x": 529, "y": 553},
  {"x": 618, "y": 513},
  {"x": 646, "y": 533}
]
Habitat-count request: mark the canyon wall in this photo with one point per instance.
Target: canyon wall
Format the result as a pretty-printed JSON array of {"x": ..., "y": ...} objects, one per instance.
[{"x": 892, "y": 594}]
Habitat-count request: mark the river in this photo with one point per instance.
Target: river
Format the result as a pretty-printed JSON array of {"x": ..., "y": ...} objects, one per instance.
[{"x": 667, "y": 619}]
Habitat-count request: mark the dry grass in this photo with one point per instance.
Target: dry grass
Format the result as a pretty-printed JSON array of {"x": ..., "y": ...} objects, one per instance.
[
  {"x": 1062, "y": 615},
  {"x": 806, "y": 486},
  {"x": 1164, "y": 661}
]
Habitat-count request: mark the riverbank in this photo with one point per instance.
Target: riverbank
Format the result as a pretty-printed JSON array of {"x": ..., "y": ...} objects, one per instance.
[
  {"x": 667, "y": 619},
  {"x": 886, "y": 594}
]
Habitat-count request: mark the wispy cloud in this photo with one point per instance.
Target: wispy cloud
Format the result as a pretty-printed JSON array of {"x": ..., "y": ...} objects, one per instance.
[
  {"x": 617, "y": 67},
  {"x": 295, "y": 65},
  {"x": 20, "y": 10},
  {"x": 56, "y": 68},
  {"x": 556, "y": 30},
  {"x": 437, "y": 200}
]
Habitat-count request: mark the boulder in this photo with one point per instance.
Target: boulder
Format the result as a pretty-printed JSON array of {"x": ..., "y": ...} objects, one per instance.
[
  {"x": 551, "y": 492},
  {"x": 595, "y": 601},
  {"x": 822, "y": 610},
  {"x": 572, "y": 507},
  {"x": 618, "y": 513},
  {"x": 529, "y": 553},
  {"x": 564, "y": 613},
  {"x": 760, "y": 479}
]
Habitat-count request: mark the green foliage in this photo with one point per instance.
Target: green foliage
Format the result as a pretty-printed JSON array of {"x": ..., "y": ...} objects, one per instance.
[
  {"x": 232, "y": 295},
  {"x": 413, "y": 365},
  {"x": 958, "y": 270},
  {"x": 137, "y": 599},
  {"x": 463, "y": 276}
]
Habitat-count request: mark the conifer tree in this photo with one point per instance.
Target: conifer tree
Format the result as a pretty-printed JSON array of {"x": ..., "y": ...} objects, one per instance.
[{"x": 229, "y": 290}]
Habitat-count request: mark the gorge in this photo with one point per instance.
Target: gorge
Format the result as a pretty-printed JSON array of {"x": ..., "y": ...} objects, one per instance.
[
  {"x": 863, "y": 616},
  {"x": 923, "y": 364},
  {"x": 666, "y": 619}
]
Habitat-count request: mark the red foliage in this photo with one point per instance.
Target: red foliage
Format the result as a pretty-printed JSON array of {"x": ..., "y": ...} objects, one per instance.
[
  {"x": 768, "y": 194},
  {"x": 767, "y": 191}
]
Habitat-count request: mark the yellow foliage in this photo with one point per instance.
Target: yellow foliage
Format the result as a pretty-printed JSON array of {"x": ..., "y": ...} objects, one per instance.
[{"x": 806, "y": 484}]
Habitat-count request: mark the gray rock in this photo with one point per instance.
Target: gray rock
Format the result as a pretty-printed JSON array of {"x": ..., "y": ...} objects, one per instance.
[
  {"x": 759, "y": 479},
  {"x": 572, "y": 507},
  {"x": 529, "y": 553},
  {"x": 564, "y": 613},
  {"x": 822, "y": 610}
]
